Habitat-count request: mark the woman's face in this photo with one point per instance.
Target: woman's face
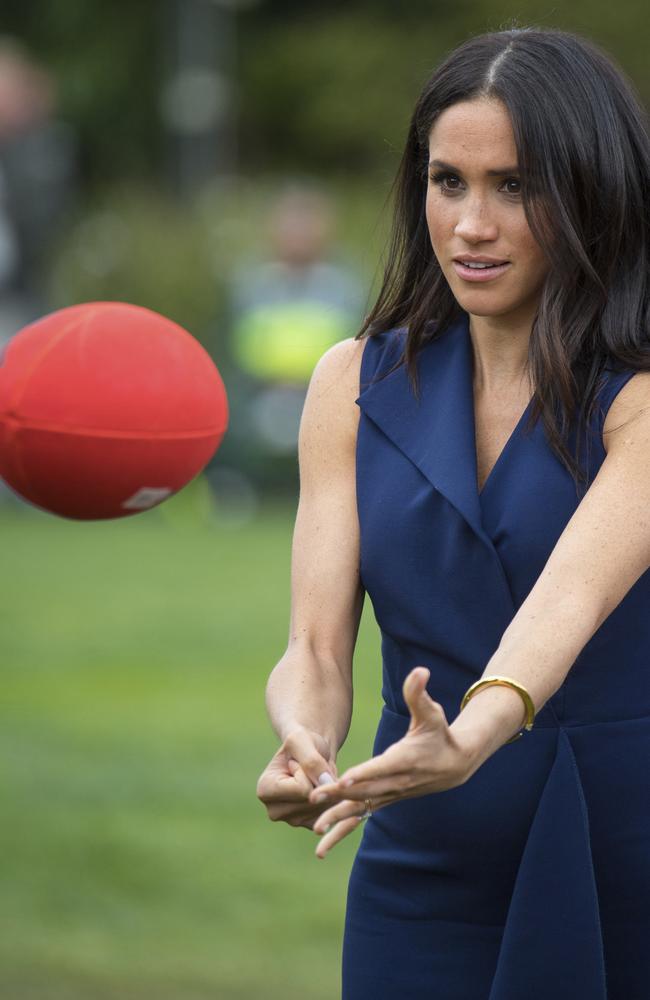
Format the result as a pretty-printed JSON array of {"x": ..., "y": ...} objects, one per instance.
[{"x": 472, "y": 212}]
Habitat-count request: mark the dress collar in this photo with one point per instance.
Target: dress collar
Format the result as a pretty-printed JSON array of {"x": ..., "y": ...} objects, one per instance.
[{"x": 436, "y": 432}]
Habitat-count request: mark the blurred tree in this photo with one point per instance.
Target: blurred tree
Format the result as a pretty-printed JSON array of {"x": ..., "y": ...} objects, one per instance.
[
  {"x": 332, "y": 85},
  {"x": 327, "y": 86},
  {"x": 137, "y": 245},
  {"x": 108, "y": 72},
  {"x": 323, "y": 90}
]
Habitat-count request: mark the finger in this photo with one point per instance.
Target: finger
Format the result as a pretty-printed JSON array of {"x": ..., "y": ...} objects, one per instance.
[
  {"x": 282, "y": 788},
  {"x": 299, "y": 776},
  {"x": 331, "y": 838},
  {"x": 323, "y": 779},
  {"x": 388, "y": 765},
  {"x": 389, "y": 784},
  {"x": 367, "y": 772},
  {"x": 294, "y": 813},
  {"x": 342, "y": 810},
  {"x": 302, "y": 814},
  {"x": 296, "y": 816},
  {"x": 302, "y": 819},
  {"x": 423, "y": 709},
  {"x": 300, "y": 747}
]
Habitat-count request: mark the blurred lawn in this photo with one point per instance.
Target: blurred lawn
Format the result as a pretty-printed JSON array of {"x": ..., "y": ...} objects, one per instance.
[{"x": 136, "y": 859}]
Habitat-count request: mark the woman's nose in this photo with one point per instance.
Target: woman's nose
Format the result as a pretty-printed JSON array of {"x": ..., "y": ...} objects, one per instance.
[{"x": 475, "y": 223}]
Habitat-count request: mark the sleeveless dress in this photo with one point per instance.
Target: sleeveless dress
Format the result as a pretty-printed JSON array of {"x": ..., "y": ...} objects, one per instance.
[{"x": 532, "y": 880}]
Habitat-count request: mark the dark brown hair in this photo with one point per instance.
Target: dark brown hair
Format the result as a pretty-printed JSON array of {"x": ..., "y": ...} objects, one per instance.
[{"x": 582, "y": 140}]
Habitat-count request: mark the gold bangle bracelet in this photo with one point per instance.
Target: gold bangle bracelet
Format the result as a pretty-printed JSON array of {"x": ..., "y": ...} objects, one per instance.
[{"x": 506, "y": 682}]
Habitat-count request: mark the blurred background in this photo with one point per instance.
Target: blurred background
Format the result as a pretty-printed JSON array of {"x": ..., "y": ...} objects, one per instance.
[{"x": 227, "y": 164}]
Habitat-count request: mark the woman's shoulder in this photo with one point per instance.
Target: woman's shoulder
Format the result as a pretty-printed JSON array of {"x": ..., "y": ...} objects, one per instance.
[
  {"x": 625, "y": 394},
  {"x": 340, "y": 361},
  {"x": 356, "y": 360},
  {"x": 334, "y": 383},
  {"x": 329, "y": 418}
]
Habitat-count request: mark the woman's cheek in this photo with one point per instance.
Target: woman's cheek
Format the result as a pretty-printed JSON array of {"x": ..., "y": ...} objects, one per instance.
[{"x": 440, "y": 224}]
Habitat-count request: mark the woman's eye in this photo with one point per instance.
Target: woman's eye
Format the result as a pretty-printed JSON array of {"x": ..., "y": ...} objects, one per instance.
[
  {"x": 442, "y": 180},
  {"x": 439, "y": 178}
]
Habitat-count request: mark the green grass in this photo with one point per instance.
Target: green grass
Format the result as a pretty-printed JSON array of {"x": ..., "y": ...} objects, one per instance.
[{"x": 136, "y": 859}]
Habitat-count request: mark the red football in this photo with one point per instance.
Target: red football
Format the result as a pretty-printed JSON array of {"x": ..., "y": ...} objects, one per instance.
[{"x": 106, "y": 409}]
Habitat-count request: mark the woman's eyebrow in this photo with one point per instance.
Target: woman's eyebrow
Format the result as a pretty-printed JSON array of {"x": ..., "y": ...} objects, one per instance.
[{"x": 497, "y": 172}]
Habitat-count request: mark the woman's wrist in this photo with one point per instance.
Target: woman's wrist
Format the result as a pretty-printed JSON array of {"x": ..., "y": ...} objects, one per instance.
[
  {"x": 300, "y": 728},
  {"x": 489, "y": 719}
]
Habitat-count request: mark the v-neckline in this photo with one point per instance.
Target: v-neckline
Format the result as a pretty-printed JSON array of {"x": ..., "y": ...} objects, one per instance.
[
  {"x": 513, "y": 434},
  {"x": 436, "y": 429},
  {"x": 469, "y": 374}
]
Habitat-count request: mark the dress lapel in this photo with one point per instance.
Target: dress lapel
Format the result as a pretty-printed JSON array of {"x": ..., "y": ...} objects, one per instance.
[{"x": 437, "y": 432}]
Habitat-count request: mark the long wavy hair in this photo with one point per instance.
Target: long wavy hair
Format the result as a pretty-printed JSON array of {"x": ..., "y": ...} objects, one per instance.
[{"x": 583, "y": 147}]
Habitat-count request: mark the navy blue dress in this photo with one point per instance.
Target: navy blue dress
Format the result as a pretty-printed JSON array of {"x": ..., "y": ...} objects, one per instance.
[{"x": 532, "y": 880}]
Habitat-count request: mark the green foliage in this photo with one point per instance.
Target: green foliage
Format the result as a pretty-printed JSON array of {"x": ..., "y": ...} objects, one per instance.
[
  {"x": 333, "y": 86},
  {"x": 327, "y": 86},
  {"x": 135, "y": 244},
  {"x": 336, "y": 91}
]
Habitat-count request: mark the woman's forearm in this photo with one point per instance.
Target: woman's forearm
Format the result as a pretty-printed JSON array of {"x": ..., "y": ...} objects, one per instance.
[
  {"x": 537, "y": 649},
  {"x": 307, "y": 689}
]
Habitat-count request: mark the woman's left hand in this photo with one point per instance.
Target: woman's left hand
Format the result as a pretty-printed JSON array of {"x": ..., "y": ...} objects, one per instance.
[{"x": 429, "y": 758}]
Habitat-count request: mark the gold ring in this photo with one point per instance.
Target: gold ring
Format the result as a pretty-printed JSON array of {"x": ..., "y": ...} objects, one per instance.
[{"x": 368, "y": 809}]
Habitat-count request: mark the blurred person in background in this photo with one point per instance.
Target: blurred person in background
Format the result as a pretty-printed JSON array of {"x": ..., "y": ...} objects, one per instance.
[
  {"x": 37, "y": 168},
  {"x": 285, "y": 310},
  {"x": 37, "y": 158}
]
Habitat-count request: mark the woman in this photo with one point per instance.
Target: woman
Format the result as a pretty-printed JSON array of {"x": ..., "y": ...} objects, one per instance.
[{"x": 478, "y": 460}]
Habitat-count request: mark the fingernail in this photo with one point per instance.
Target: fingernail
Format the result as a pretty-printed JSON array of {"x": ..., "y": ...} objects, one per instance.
[
  {"x": 319, "y": 798},
  {"x": 325, "y": 778},
  {"x": 347, "y": 782}
]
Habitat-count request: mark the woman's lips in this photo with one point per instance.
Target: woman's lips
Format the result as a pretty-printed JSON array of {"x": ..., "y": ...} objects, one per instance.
[{"x": 480, "y": 273}]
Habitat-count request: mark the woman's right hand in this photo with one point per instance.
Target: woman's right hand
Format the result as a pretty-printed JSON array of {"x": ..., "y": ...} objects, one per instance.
[{"x": 303, "y": 761}]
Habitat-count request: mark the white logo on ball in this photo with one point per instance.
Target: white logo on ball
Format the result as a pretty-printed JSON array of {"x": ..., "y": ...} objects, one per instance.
[{"x": 147, "y": 496}]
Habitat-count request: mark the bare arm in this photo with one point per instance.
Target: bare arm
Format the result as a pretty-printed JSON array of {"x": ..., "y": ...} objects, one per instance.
[
  {"x": 599, "y": 556},
  {"x": 311, "y": 686}
]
